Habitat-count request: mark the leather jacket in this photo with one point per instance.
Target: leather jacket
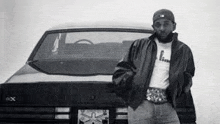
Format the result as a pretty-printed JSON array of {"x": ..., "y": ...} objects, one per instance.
[{"x": 133, "y": 73}]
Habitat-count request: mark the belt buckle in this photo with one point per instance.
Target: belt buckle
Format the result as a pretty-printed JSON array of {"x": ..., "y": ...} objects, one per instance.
[{"x": 156, "y": 95}]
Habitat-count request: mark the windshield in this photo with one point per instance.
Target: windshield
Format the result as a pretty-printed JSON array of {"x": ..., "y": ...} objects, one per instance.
[{"x": 83, "y": 52}]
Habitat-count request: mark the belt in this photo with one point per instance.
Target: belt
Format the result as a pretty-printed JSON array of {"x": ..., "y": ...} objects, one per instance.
[{"x": 156, "y": 95}]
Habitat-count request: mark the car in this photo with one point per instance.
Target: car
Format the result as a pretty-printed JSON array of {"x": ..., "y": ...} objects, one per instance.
[{"x": 67, "y": 78}]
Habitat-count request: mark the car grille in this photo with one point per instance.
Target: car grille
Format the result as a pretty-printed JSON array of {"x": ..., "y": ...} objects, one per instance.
[
  {"x": 34, "y": 115},
  {"x": 55, "y": 115}
]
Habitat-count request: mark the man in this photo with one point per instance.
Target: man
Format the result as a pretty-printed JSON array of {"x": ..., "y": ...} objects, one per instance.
[{"x": 155, "y": 72}]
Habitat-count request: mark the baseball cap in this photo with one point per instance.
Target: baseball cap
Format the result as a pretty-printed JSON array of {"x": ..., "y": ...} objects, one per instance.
[{"x": 163, "y": 13}]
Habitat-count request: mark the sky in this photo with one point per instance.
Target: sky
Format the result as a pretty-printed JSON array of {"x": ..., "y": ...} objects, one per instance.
[{"x": 23, "y": 22}]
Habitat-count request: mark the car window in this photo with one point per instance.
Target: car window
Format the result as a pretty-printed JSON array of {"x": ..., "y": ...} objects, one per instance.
[
  {"x": 83, "y": 52},
  {"x": 73, "y": 45}
]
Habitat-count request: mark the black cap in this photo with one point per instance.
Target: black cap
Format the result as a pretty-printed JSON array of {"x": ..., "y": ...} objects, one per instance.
[{"x": 163, "y": 13}]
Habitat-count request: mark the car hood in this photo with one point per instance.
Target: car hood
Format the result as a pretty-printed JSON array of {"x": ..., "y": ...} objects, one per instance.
[{"x": 28, "y": 74}]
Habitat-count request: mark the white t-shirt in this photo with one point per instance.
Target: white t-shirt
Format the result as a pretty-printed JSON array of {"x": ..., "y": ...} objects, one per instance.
[{"x": 160, "y": 75}]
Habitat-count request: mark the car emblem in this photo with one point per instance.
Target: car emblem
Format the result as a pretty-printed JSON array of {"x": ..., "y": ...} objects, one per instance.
[
  {"x": 10, "y": 99},
  {"x": 93, "y": 116}
]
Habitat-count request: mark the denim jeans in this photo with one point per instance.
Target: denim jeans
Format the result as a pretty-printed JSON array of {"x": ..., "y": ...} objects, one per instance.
[{"x": 150, "y": 113}]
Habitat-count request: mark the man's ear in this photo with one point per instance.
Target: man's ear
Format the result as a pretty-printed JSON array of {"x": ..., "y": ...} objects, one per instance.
[{"x": 174, "y": 26}]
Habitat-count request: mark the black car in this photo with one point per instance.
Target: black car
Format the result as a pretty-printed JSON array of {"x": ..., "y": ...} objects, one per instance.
[{"x": 68, "y": 78}]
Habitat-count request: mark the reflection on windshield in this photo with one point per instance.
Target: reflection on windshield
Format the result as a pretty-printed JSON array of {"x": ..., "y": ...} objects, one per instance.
[{"x": 56, "y": 44}]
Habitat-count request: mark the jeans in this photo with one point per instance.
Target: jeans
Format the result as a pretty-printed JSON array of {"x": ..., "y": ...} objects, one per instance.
[{"x": 150, "y": 113}]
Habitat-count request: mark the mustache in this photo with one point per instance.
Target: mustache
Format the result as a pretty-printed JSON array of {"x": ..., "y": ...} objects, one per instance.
[{"x": 162, "y": 32}]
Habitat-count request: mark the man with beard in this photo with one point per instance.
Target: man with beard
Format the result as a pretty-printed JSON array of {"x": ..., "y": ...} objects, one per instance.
[{"x": 155, "y": 72}]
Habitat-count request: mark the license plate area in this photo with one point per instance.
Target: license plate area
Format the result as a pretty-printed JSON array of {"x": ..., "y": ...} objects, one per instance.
[{"x": 93, "y": 116}]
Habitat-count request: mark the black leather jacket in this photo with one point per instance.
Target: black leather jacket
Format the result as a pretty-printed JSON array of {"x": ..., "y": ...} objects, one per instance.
[{"x": 132, "y": 75}]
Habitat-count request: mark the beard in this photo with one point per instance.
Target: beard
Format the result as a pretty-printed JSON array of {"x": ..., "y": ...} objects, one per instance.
[{"x": 168, "y": 39}]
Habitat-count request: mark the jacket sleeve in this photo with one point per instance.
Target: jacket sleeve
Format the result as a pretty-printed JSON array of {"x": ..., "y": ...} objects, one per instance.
[
  {"x": 123, "y": 74},
  {"x": 189, "y": 73}
]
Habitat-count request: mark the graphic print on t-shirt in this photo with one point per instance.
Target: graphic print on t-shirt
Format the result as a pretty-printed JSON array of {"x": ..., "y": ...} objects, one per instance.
[{"x": 162, "y": 57}]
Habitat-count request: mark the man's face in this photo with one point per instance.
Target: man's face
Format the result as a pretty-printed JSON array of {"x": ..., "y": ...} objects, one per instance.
[{"x": 163, "y": 28}]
